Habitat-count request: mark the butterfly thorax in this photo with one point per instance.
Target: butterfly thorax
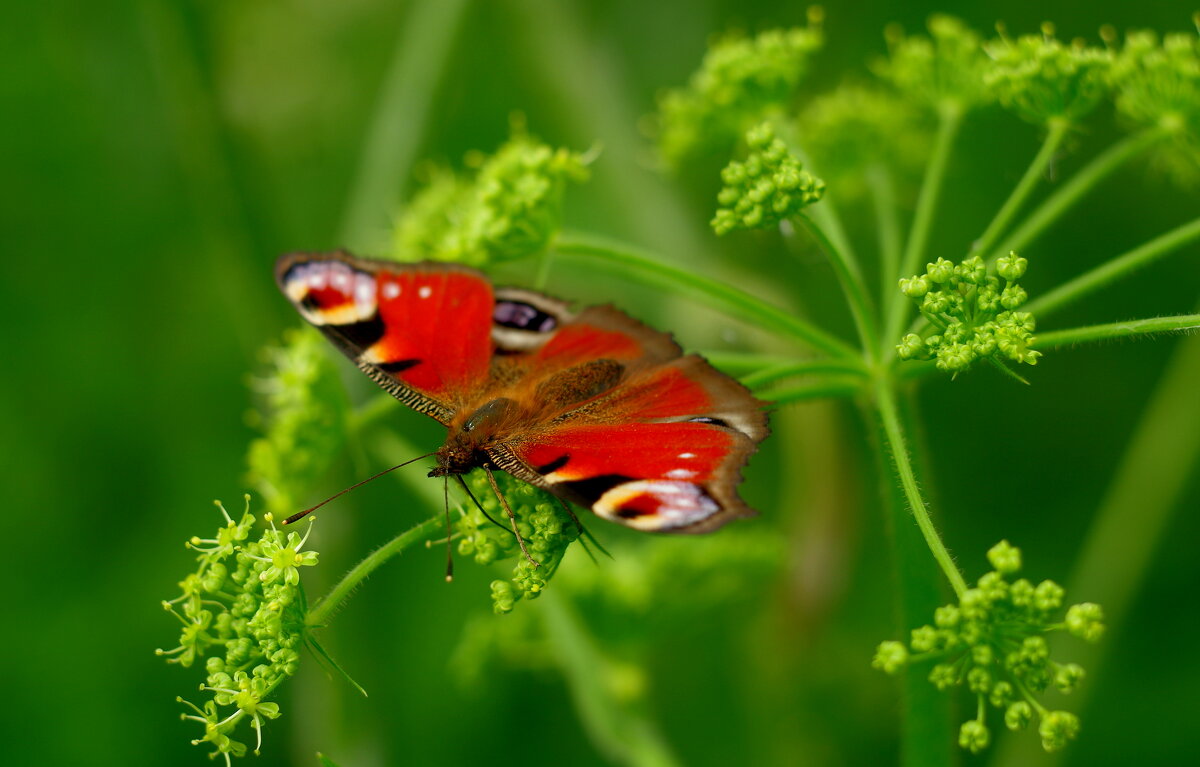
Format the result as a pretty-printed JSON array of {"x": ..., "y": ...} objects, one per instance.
[{"x": 469, "y": 438}]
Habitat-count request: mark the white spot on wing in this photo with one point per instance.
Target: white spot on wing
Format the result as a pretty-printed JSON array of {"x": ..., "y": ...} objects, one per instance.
[
  {"x": 425, "y": 291},
  {"x": 391, "y": 290},
  {"x": 681, "y": 474},
  {"x": 686, "y": 456}
]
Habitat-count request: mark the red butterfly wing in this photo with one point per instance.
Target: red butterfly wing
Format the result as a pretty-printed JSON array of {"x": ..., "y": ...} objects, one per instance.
[{"x": 421, "y": 331}]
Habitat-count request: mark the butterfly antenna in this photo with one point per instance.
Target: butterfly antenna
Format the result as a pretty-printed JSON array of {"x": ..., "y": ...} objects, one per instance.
[
  {"x": 467, "y": 489},
  {"x": 585, "y": 535},
  {"x": 302, "y": 514},
  {"x": 449, "y": 552},
  {"x": 512, "y": 518}
]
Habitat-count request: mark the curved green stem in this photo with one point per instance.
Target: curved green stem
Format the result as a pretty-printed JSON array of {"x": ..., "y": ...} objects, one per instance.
[
  {"x": 741, "y": 363},
  {"x": 1115, "y": 269},
  {"x": 852, "y": 285},
  {"x": 836, "y": 387},
  {"x": 321, "y": 612},
  {"x": 1057, "y": 338},
  {"x": 394, "y": 137},
  {"x": 787, "y": 369},
  {"x": 1069, "y": 193},
  {"x": 734, "y": 302},
  {"x": 887, "y": 223},
  {"x": 1033, "y": 174},
  {"x": 885, "y": 403},
  {"x": 950, "y": 120}
]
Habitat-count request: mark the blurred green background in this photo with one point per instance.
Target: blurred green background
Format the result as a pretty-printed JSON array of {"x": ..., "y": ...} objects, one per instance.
[{"x": 157, "y": 156}]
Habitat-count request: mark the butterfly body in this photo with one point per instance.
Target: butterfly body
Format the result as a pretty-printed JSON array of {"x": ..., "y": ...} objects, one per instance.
[{"x": 592, "y": 406}]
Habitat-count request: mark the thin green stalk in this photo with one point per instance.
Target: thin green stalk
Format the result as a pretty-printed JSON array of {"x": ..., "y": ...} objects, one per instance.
[
  {"x": 882, "y": 188},
  {"x": 350, "y": 581},
  {"x": 1134, "y": 515},
  {"x": 1069, "y": 193},
  {"x": 741, "y": 363},
  {"x": 950, "y": 120},
  {"x": 401, "y": 117},
  {"x": 852, "y": 285},
  {"x": 885, "y": 403},
  {"x": 1033, "y": 174},
  {"x": 619, "y": 730},
  {"x": 830, "y": 388},
  {"x": 1114, "y": 269},
  {"x": 732, "y": 301},
  {"x": 765, "y": 375},
  {"x": 926, "y": 722},
  {"x": 1057, "y": 338}
]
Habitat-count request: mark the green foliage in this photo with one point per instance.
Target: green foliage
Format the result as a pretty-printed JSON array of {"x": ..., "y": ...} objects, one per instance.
[
  {"x": 243, "y": 615},
  {"x": 973, "y": 317},
  {"x": 740, "y": 82},
  {"x": 302, "y": 417},
  {"x": 1158, "y": 86},
  {"x": 993, "y": 642},
  {"x": 943, "y": 71},
  {"x": 1042, "y": 80},
  {"x": 765, "y": 188},
  {"x": 510, "y": 208},
  {"x": 548, "y": 530}
]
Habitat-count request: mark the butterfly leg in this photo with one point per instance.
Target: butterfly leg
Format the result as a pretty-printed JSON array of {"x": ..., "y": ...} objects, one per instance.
[
  {"x": 584, "y": 534},
  {"x": 512, "y": 518},
  {"x": 449, "y": 536}
]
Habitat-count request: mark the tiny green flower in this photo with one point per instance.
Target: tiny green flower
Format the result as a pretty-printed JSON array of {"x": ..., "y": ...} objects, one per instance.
[
  {"x": 740, "y": 82},
  {"x": 1086, "y": 621},
  {"x": 1043, "y": 80},
  {"x": 973, "y": 736},
  {"x": 1005, "y": 557},
  {"x": 765, "y": 188},
  {"x": 890, "y": 657},
  {"x": 1018, "y": 715},
  {"x": 1057, "y": 728},
  {"x": 944, "y": 71}
]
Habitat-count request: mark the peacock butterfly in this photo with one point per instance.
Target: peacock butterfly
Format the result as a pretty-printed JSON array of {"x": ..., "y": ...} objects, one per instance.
[{"x": 592, "y": 406}]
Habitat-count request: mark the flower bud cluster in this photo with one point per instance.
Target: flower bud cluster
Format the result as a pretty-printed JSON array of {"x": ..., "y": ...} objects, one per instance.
[
  {"x": 1158, "y": 85},
  {"x": 243, "y": 616},
  {"x": 1042, "y": 79},
  {"x": 740, "y": 81},
  {"x": 767, "y": 187},
  {"x": 994, "y": 643},
  {"x": 944, "y": 70},
  {"x": 973, "y": 315},
  {"x": 302, "y": 417},
  {"x": 511, "y": 208},
  {"x": 547, "y": 529}
]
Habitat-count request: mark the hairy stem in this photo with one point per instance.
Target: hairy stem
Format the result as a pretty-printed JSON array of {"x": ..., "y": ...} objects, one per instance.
[
  {"x": 350, "y": 581},
  {"x": 852, "y": 285},
  {"x": 885, "y": 403},
  {"x": 1057, "y": 338},
  {"x": 619, "y": 730},
  {"x": 732, "y": 301},
  {"x": 393, "y": 139},
  {"x": 1115, "y": 269},
  {"x": 949, "y": 122},
  {"x": 1054, "y": 138},
  {"x": 1069, "y": 193}
]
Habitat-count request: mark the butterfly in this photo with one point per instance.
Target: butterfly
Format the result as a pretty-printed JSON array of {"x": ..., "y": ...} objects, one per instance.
[{"x": 592, "y": 406}]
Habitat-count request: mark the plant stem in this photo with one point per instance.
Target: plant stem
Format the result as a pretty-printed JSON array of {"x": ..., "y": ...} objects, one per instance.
[
  {"x": 852, "y": 285},
  {"x": 400, "y": 118},
  {"x": 885, "y": 403},
  {"x": 950, "y": 119},
  {"x": 765, "y": 375},
  {"x": 926, "y": 723},
  {"x": 832, "y": 387},
  {"x": 621, "y": 732},
  {"x": 1114, "y": 269},
  {"x": 883, "y": 196},
  {"x": 1090, "y": 333},
  {"x": 1069, "y": 193},
  {"x": 350, "y": 581},
  {"x": 1054, "y": 138},
  {"x": 734, "y": 302},
  {"x": 739, "y": 363}
]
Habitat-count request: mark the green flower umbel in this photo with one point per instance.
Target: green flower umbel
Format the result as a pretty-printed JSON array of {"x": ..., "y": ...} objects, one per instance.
[
  {"x": 943, "y": 71},
  {"x": 765, "y": 188},
  {"x": 994, "y": 643},
  {"x": 242, "y": 611},
  {"x": 974, "y": 316},
  {"x": 1042, "y": 80}
]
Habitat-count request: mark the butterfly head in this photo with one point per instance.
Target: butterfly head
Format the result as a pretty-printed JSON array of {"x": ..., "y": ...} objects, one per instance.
[{"x": 469, "y": 439}]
